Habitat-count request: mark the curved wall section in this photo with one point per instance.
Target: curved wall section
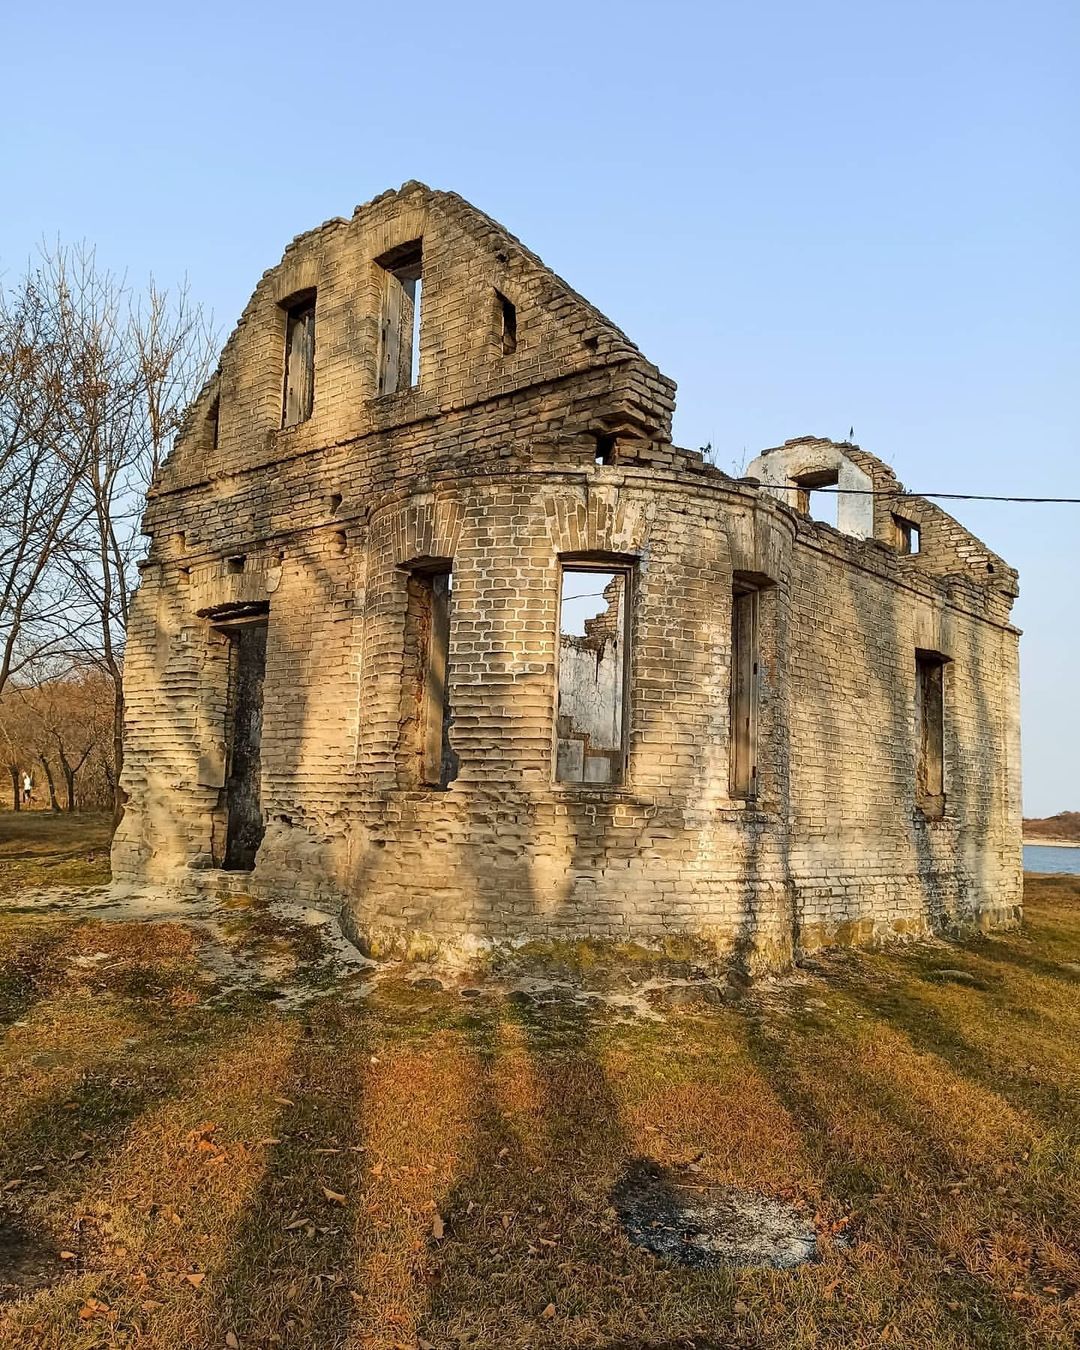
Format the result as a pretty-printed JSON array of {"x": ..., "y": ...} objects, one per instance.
[{"x": 766, "y": 733}]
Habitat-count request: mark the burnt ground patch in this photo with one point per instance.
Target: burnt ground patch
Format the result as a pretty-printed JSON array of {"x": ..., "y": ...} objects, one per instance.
[
  {"x": 28, "y": 1261},
  {"x": 698, "y": 1224}
]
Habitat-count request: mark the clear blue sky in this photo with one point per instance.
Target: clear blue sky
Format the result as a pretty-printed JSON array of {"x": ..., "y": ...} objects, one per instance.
[{"x": 811, "y": 215}]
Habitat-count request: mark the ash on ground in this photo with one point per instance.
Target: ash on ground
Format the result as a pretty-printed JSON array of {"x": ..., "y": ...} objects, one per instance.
[{"x": 704, "y": 1225}]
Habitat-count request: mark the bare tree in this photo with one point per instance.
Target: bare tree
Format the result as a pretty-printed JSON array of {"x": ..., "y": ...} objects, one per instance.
[
  {"x": 16, "y": 742},
  {"x": 94, "y": 381},
  {"x": 146, "y": 360},
  {"x": 40, "y": 471}
]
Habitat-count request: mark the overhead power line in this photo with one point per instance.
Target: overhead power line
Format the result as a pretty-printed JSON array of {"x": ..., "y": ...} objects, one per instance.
[{"x": 946, "y": 496}]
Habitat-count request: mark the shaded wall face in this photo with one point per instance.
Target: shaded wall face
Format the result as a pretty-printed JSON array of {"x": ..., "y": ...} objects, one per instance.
[{"x": 867, "y": 855}]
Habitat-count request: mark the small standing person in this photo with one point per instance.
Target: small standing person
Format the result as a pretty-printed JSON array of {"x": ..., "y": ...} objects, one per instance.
[{"x": 27, "y": 788}]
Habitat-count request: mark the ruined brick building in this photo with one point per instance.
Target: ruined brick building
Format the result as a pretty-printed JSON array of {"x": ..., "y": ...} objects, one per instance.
[{"x": 439, "y": 629}]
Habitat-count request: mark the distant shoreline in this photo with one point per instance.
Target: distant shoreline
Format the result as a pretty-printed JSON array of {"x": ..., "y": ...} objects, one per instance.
[{"x": 1052, "y": 843}]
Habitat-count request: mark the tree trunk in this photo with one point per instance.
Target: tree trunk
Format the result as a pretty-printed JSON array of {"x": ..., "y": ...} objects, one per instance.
[
  {"x": 54, "y": 805},
  {"x": 69, "y": 784},
  {"x": 16, "y": 793}
]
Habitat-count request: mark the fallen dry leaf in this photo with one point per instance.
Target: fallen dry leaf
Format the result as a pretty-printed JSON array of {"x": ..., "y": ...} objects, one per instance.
[
  {"x": 232, "y": 1340},
  {"x": 549, "y": 1311},
  {"x": 297, "y": 1223},
  {"x": 438, "y": 1227},
  {"x": 91, "y": 1308},
  {"x": 283, "y": 1101},
  {"x": 195, "y": 1278},
  {"x": 68, "y": 1256},
  {"x": 335, "y": 1196}
]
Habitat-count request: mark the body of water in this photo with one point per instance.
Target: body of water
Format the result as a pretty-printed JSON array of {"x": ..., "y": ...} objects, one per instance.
[{"x": 1047, "y": 858}]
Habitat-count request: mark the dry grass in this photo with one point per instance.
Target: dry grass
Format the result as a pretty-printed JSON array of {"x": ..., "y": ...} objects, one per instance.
[
  {"x": 420, "y": 1171},
  {"x": 40, "y": 848}
]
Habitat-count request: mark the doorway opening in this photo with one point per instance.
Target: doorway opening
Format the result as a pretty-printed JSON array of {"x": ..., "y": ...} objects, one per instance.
[{"x": 246, "y": 634}]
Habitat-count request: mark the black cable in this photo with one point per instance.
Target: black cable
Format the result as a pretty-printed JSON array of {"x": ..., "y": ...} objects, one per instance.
[{"x": 904, "y": 492}]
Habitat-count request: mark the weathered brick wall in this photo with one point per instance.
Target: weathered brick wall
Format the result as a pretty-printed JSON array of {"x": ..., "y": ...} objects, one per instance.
[{"x": 492, "y": 463}]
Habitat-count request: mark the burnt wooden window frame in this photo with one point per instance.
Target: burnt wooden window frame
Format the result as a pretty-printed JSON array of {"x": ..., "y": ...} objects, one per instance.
[
  {"x": 581, "y": 564},
  {"x": 807, "y": 484},
  {"x": 931, "y": 696},
  {"x": 298, "y": 379},
  {"x": 506, "y": 325},
  {"x": 908, "y": 533},
  {"x": 401, "y": 273},
  {"x": 744, "y": 692},
  {"x": 437, "y": 766}
]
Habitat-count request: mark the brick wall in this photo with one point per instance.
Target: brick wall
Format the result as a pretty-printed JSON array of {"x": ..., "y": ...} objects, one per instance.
[{"x": 492, "y": 462}]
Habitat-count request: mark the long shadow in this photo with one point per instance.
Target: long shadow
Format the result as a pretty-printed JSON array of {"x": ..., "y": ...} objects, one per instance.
[
  {"x": 853, "y": 1180},
  {"x": 927, "y": 1029},
  {"x": 285, "y": 1278},
  {"x": 531, "y": 1224},
  {"x": 1000, "y": 952}
]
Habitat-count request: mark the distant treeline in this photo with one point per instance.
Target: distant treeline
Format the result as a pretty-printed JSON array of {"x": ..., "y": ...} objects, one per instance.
[{"x": 1065, "y": 825}]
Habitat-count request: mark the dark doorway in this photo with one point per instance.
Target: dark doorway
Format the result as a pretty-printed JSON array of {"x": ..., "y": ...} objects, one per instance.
[{"x": 247, "y": 667}]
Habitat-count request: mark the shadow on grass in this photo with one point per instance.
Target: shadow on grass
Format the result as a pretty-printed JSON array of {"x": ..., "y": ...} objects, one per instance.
[
  {"x": 30, "y": 972},
  {"x": 292, "y": 1253},
  {"x": 880, "y": 1184}
]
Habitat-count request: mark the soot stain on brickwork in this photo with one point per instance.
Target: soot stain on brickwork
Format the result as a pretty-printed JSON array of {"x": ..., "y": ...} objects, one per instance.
[{"x": 462, "y": 433}]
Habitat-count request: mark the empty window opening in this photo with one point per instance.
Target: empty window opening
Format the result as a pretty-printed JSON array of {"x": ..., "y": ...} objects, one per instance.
[
  {"x": 930, "y": 725},
  {"x": 605, "y": 447},
  {"x": 745, "y": 660},
  {"x": 341, "y": 542},
  {"x": 299, "y": 394},
  {"x": 908, "y": 535},
  {"x": 507, "y": 314},
  {"x": 399, "y": 330},
  {"x": 234, "y": 566},
  {"x": 428, "y": 715},
  {"x": 243, "y": 737},
  {"x": 335, "y": 503},
  {"x": 594, "y": 630},
  {"x": 213, "y": 417},
  {"x": 812, "y": 502},
  {"x": 184, "y": 576}
]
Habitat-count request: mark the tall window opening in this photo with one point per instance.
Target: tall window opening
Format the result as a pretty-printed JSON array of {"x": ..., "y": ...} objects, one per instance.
[
  {"x": 745, "y": 660},
  {"x": 594, "y": 627},
  {"x": 506, "y": 313},
  {"x": 930, "y": 724},
  {"x": 399, "y": 330},
  {"x": 812, "y": 502},
  {"x": 908, "y": 537},
  {"x": 427, "y": 655},
  {"x": 299, "y": 395}
]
